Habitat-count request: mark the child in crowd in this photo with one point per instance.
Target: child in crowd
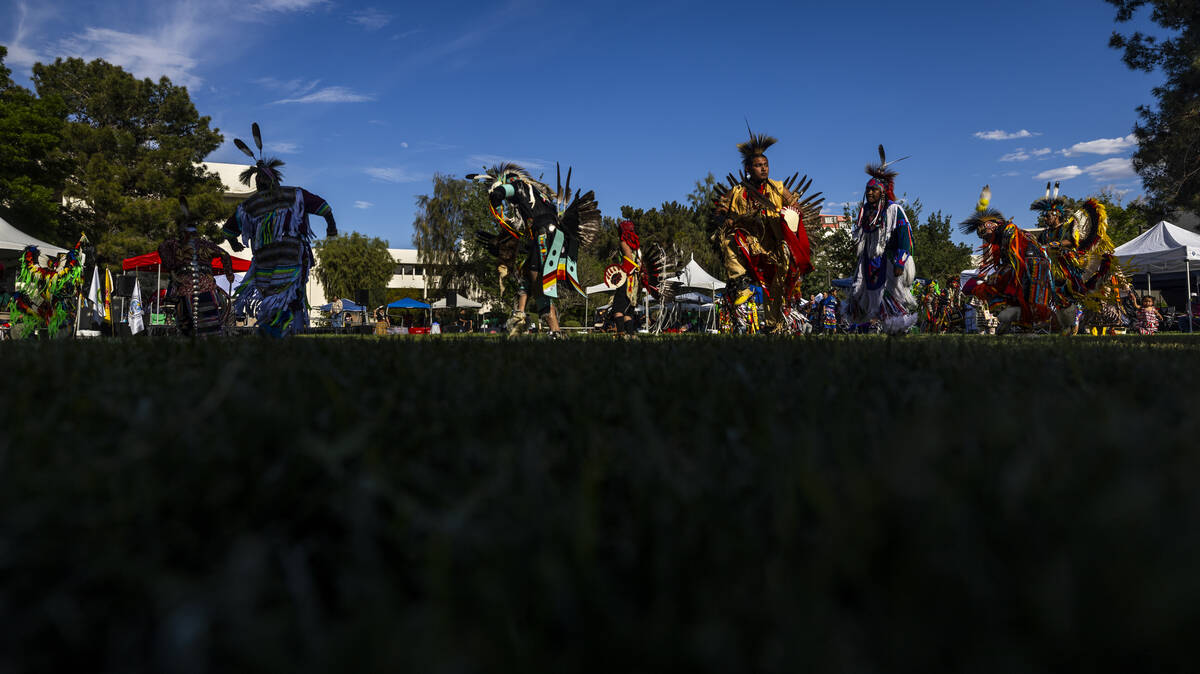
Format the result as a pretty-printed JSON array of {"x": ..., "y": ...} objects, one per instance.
[{"x": 1148, "y": 317}]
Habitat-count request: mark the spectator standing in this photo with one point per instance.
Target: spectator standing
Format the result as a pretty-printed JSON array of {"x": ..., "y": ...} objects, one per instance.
[
  {"x": 829, "y": 314},
  {"x": 335, "y": 311},
  {"x": 1148, "y": 317}
]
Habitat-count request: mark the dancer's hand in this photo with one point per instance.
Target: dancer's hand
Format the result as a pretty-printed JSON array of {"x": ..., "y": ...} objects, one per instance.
[{"x": 236, "y": 245}]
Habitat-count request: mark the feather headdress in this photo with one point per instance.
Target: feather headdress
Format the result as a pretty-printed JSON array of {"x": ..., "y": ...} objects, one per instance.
[
  {"x": 265, "y": 169},
  {"x": 755, "y": 146},
  {"x": 984, "y": 216},
  {"x": 508, "y": 172},
  {"x": 883, "y": 175},
  {"x": 1050, "y": 202}
]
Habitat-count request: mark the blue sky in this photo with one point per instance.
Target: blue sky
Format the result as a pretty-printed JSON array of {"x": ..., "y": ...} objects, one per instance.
[{"x": 365, "y": 102}]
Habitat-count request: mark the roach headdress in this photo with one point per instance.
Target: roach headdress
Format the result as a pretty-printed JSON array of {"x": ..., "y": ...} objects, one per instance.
[
  {"x": 1050, "y": 202},
  {"x": 507, "y": 173},
  {"x": 883, "y": 176},
  {"x": 985, "y": 219},
  {"x": 755, "y": 147},
  {"x": 266, "y": 169}
]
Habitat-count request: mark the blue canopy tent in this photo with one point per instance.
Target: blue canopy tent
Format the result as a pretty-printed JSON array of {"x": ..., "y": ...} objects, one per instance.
[
  {"x": 347, "y": 305},
  {"x": 408, "y": 303}
]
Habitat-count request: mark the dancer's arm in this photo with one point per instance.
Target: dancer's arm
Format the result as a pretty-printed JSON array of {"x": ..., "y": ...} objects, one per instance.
[
  {"x": 318, "y": 206},
  {"x": 904, "y": 245},
  {"x": 232, "y": 229}
]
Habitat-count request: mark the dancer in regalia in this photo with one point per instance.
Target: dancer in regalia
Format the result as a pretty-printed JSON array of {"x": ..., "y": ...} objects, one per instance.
[
  {"x": 884, "y": 275},
  {"x": 46, "y": 296},
  {"x": 1014, "y": 273},
  {"x": 201, "y": 308},
  {"x": 634, "y": 273},
  {"x": 760, "y": 231},
  {"x": 1076, "y": 241},
  {"x": 551, "y": 238},
  {"x": 274, "y": 223}
]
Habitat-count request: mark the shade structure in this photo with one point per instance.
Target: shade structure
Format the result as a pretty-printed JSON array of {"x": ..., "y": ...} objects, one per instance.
[
  {"x": 462, "y": 303},
  {"x": 12, "y": 238},
  {"x": 693, "y": 276},
  {"x": 151, "y": 262},
  {"x": 693, "y": 298},
  {"x": 347, "y": 305},
  {"x": 408, "y": 303},
  {"x": 1162, "y": 248}
]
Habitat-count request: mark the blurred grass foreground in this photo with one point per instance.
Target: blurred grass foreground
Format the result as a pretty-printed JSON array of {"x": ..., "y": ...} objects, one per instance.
[{"x": 711, "y": 505}]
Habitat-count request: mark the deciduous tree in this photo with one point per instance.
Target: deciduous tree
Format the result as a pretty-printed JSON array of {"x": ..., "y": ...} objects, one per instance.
[
  {"x": 444, "y": 236},
  {"x": 353, "y": 262}
]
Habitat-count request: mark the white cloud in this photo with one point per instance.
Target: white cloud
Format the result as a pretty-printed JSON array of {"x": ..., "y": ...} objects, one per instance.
[
  {"x": 149, "y": 56},
  {"x": 292, "y": 87},
  {"x": 1010, "y": 174},
  {"x": 329, "y": 95},
  {"x": 283, "y": 147},
  {"x": 395, "y": 175},
  {"x": 1102, "y": 146},
  {"x": 28, "y": 23},
  {"x": 1112, "y": 169},
  {"x": 1064, "y": 173},
  {"x": 1109, "y": 169},
  {"x": 1000, "y": 134},
  {"x": 403, "y": 144},
  {"x": 363, "y": 204},
  {"x": 289, "y": 5},
  {"x": 371, "y": 18},
  {"x": 1021, "y": 154},
  {"x": 477, "y": 160}
]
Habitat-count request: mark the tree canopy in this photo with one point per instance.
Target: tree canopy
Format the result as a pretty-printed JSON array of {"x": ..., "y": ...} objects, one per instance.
[
  {"x": 353, "y": 262},
  {"x": 444, "y": 236},
  {"x": 32, "y": 169},
  {"x": 937, "y": 256},
  {"x": 1168, "y": 154},
  {"x": 131, "y": 148}
]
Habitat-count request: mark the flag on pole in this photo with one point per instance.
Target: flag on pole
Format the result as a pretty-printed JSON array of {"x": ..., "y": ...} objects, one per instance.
[
  {"x": 93, "y": 296},
  {"x": 108, "y": 284},
  {"x": 135, "y": 308}
]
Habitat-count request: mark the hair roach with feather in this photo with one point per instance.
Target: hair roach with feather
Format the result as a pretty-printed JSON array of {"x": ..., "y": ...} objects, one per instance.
[
  {"x": 265, "y": 169},
  {"x": 1051, "y": 202},
  {"x": 985, "y": 217},
  {"x": 883, "y": 175},
  {"x": 756, "y": 146}
]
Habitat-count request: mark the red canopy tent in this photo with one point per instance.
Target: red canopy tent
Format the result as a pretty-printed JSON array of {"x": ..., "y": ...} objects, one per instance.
[{"x": 151, "y": 262}]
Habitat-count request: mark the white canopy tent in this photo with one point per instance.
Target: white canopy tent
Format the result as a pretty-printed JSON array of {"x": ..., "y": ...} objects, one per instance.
[
  {"x": 12, "y": 238},
  {"x": 462, "y": 302},
  {"x": 693, "y": 276},
  {"x": 1163, "y": 248}
]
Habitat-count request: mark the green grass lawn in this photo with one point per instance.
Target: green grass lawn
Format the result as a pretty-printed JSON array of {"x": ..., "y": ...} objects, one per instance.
[{"x": 686, "y": 504}]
